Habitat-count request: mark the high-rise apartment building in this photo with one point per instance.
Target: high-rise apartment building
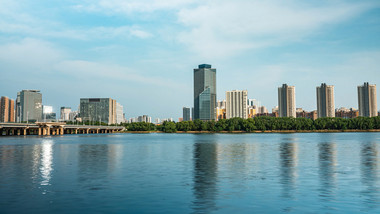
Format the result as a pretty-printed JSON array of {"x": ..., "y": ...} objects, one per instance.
[
  {"x": 367, "y": 100},
  {"x": 287, "y": 101},
  {"x": 98, "y": 109},
  {"x": 205, "y": 93},
  {"x": 29, "y": 106},
  {"x": 325, "y": 101},
  {"x": 236, "y": 104},
  {"x": 185, "y": 114},
  {"x": 7, "y": 110},
  {"x": 65, "y": 113}
]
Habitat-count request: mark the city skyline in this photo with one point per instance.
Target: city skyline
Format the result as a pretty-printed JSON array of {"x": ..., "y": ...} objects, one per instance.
[{"x": 143, "y": 52}]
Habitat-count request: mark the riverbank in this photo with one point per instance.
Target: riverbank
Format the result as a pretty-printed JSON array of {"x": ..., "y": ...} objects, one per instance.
[{"x": 267, "y": 131}]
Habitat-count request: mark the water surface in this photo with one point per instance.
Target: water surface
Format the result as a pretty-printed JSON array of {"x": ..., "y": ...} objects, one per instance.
[{"x": 191, "y": 173}]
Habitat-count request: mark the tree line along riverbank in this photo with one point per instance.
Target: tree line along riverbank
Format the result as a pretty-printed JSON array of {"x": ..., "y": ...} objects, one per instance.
[{"x": 261, "y": 124}]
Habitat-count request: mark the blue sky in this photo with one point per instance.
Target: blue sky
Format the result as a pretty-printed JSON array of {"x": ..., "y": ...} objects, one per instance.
[{"x": 142, "y": 52}]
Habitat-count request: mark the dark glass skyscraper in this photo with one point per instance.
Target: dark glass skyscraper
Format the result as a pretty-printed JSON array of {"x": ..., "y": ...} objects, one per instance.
[{"x": 205, "y": 92}]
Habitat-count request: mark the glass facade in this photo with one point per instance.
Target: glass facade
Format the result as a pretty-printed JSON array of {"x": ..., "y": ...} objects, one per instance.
[
  {"x": 205, "y": 92},
  {"x": 29, "y": 106},
  {"x": 98, "y": 109}
]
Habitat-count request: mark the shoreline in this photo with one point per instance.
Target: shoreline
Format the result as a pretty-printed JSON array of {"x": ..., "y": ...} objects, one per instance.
[{"x": 245, "y": 132}]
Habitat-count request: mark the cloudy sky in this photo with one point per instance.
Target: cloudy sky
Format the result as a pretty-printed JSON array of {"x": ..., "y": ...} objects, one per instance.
[{"x": 142, "y": 52}]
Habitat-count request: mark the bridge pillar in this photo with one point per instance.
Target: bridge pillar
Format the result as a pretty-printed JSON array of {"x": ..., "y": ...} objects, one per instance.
[
  {"x": 48, "y": 131},
  {"x": 61, "y": 130},
  {"x": 76, "y": 131},
  {"x": 24, "y": 132},
  {"x": 87, "y": 131}
]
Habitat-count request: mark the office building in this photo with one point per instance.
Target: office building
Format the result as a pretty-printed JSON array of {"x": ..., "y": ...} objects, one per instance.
[
  {"x": 325, "y": 101},
  {"x": 236, "y": 104},
  {"x": 47, "y": 114},
  {"x": 119, "y": 113},
  {"x": 287, "y": 101},
  {"x": 367, "y": 100},
  {"x": 98, "y": 109},
  {"x": 205, "y": 93},
  {"x": 185, "y": 114},
  {"x": 7, "y": 110},
  {"x": 65, "y": 113},
  {"x": 29, "y": 106}
]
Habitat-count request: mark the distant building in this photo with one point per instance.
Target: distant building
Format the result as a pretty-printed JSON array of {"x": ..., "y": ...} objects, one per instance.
[
  {"x": 305, "y": 114},
  {"x": 7, "y": 110},
  {"x": 325, "y": 101},
  {"x": 29, "y": 106},
  {"x": 221, "y": 104},
  {"x": 98, "y": 109},
  {"x": 47, "y": 114},
  {"x": 236, "y": 104},
  {"x": 252, "y": 111},
  {"x": 205, "y": 93},
  {"x": 74, "y": 116},
  {"x": 367, "y": 100},
  {"x": 119, "y": 113},
  {"x": 65, "y": 113},
  {"x": 287, "y": 101},
  {"x": 144, "y": 118},
  {"x": 346, "y": 113},
  {"x": 180, "y": 119},
  {"x": 275, "y": 109},
  {"x": 186, "y": 114},
  {"x": 220, "y": 113}
]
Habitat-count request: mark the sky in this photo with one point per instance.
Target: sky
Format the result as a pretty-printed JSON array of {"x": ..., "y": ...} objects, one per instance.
[{"x": 142, "y": 52}]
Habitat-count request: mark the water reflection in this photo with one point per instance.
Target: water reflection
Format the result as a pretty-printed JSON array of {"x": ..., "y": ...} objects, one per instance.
[
  {"x": 46, "y": 161},
  {"x": 205, "y": 175},
  {"x": 370, "y": 174},
  {"x": 94, "y": 161},
  {"x": 327, "y": 164},
  {"x": 288, "y": 163}
]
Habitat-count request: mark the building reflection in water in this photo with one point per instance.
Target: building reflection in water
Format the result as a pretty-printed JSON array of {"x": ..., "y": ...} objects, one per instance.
[
  {"x": 288, "y": 162},
  {"x": 95, "y": 162},
  {"x": 205, "y": 175},
  {"x": 370, "y": 174},
  {"x": 46, "y": 166},
  {"x": 327, "y": 164}
]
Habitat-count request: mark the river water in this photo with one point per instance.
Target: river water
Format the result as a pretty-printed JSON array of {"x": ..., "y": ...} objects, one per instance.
[{"x": 191, "y": 173}]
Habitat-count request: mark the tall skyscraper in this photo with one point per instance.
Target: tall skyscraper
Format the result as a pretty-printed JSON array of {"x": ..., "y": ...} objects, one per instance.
[
  {"x": 98, "y": 109},
  {"x": 205, "y": 93},
  {"x": 325, "y": 101},
  {"x": 29, "y": 106},
  {"x": 367, "y": 100},
  {"x": 186, "y": 114},
  {"x": 236, "y": 104},
  {"x": 65, "y": 113},
  {"x": 7, "y": 110},
  {"x": 287, "y": 101}
]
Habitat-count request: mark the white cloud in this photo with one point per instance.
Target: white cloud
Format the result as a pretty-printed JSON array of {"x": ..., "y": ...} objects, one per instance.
[
  {"x": 225, "y": 28},
  {"x": 131, "y": 6},
  {"x": 31, "y": 55}
]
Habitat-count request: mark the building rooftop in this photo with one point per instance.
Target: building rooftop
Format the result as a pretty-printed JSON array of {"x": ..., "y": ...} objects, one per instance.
[{"x": 204, "y": 66}]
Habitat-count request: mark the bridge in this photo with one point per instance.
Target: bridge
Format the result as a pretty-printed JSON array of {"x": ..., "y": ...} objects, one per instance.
[{"x": 53, "y": 128}]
